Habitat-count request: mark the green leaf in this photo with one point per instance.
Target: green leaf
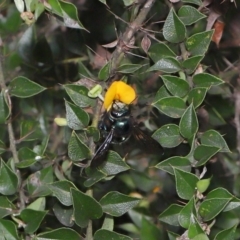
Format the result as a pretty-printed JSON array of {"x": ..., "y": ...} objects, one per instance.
[
  {"x": 8, "y": 230},
  {"x": 27, "y": 157},
  {"x": 95, "y": 91},
  {"x": 83, "y": 70},
  {"x": 39, "y": 10},
  {"x": 186, "y": 213},
  {"x": 227, "y": 234},
  {"x": 129, "y": 68},
  {"x": 219, "y": 193},
  {"x": 206, "y": 80},
  {"x": 235, "y": 203},
  {"x": 30, "y": 130},
  {"x": 172, "y": 235},
  {"x": 32, "y": 219},
  {"x": 203, "y": 184},
  {"x": 19, "y": 5},
  {"x": 185, "y": 183},
  {"x": 6, "y": 207},
  {"x": 106, "y": 234},
  {"x": 116, "y": 204},
  {"x": 189, "y": 123},
  {"x": 159, "y": 51},
  {"x": 70, "y": 15},
  {"x": 149, "y": 230},
  {"x": 63, "y": 214},
  {"x": 201, "y": 236},
  {"x": 166, "y": 65},
  {"x": 128, "y": 3},
  {"x": 103, "y": 1},
  {"x": 4, "y": 109},
  {"x": 142, "y": 181},
  {"x": 197, "y": 2},
  {"x": 42, "y": 148},
  {"x": 62, "y": 191},
  {"x": 174, "y": 162},
  {"x": 94, "y": 176},
  {"x": 189, "y": 15},
  {"x": 79, "y": 95},
  {"x": 104, "y": 72},
  {"x": 23, "y": 87},
  {"x": 171, "y": 106},
  {"x": 161, "y": 93},
  {"x": 56, "y": 7},
  {"x": 214, "y": 203},
  {"x": 175, "y": 85},
  {"x": 2, "y": 147},
  {"x": 170, "y": 215},
  {"x": 168, "y": 136},
  {"x": 37, "y": 183},
  {"x": 114, "y": 164},
  {"x": 214, "y": 138},
  {"x": 8, "y": 180},
  {"x": 203, "y": 153},
  {"x": 59, "y": 234},
  {"x": 210, "y": 208},
  {"x": 191, "y": 63},
  {"x": 77, "y": 150},
  {"x": 197, "y": 95},
  {"x": 39, "y": 204},
  {"x": 174, "y": 30},
  {"x": 85, "y": 208},
  {"x": 198, "y": 43},
  {"x": 194, "y": 228},
  {"x": 77, "y": 118}
]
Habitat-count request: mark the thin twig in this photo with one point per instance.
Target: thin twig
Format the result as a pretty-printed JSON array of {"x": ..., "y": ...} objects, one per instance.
[
  {"x": 89, "y": 233},
  {"x": 237, "y": 117},
  {"x": 9, "y": 124},
  {"x": 128, "y": 35}
]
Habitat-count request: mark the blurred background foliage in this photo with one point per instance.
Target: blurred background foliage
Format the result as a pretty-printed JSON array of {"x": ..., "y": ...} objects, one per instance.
[{"x": 53, "y": 50}]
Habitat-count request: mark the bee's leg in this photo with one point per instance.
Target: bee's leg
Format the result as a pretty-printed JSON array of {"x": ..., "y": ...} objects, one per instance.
[{"x": 97, "y": 158}]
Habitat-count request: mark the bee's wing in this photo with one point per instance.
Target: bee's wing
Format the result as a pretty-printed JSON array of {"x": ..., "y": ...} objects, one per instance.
[
  {"x": 98, "y": 157},
  {"x": 150, "y": 144}
]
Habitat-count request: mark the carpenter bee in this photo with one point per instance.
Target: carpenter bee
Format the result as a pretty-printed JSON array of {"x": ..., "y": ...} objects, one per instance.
[{"x": 116, "y": 127}]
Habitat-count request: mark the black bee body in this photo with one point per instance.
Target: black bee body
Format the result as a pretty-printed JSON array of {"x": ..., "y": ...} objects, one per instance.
[
  {"x": 118, "y": 120},
  {"x": 116, "y": 127}
]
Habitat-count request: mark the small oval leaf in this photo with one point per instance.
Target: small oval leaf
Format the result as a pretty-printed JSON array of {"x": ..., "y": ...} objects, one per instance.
[
  {"x": 168, "y": 136},
  {"x": 23, "y": 87},
  {"x": 166, "y": 65},
  {"x": 189, "y": 123},
  {"x": 174, "y": 30},
  {"x": 171, "y": 106},
  {"x": 77, "y": 150},
  {"x": 177, "y": 162},
  {"x": 185, "y": 183},
  {"x": 175, "y": 85},
  {"x": 214, "y": 138},
  {"x": 85, "y": 208},
  {"x": 116, "y": 204}
]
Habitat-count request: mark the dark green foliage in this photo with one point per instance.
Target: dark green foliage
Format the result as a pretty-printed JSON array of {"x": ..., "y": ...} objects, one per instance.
[{"x": 55, "y": 75}]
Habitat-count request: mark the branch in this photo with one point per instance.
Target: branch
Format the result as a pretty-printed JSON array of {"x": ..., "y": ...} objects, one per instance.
[
  {"x": 127, "y": 38},
  {"x": 237, "y": 117},
  {"x": 9, "y": 124}
]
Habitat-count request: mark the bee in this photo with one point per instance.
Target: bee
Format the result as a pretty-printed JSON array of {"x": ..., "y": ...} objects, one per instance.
[{"x": 116, "y": 127}]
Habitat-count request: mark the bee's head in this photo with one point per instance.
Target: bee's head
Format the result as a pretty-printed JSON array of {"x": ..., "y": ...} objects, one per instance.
[{"x": 120, "y": 109}]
